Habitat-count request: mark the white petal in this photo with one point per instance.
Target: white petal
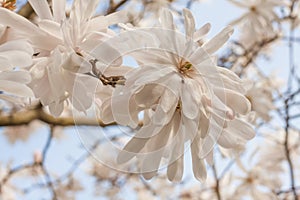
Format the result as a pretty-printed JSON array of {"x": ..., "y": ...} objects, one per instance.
[
  {"x": 166, "y": 19},
  {"x": 41, "y": 8},
  {"x": 56, "y": 108},
  {"x": 19, "y": 45},
  {"x": 12, "y": 19},
  {"x": 99, "y": 23},
  {"x": 59, "y": 10},
  {"x": 5, "y": 64},
  {"x": 51, "y": 28},
  {"x": 106, "y": 114},
  {"x": 148, "y": 96},
  {"x": 199, "y": 56},
  {"x": 175, "y": 169},
  {"x": 105, "y": 53},
  {"x": 240, "y": 128},
  {"x": 80, "y": 98},
  {"x": 218, "y": 41},
  {"x": 200, "y": 33},
  {"x": 189, "y": 23},
  {"x": 18, "y": 89},
  {"x": 234, "y": 100},
  {"x": 17, "y": 58},
  {"x": 214, "y": 132},
  {"x": 189, "y": 105},
  {"x": 16, "y": 76},
  {"x": 134, "y": 146},
  {"x": 199, "y": 168}
]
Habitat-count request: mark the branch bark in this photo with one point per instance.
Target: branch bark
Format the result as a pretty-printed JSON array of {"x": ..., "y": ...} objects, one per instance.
[
  {"x": 26, "y": 11},
  {"x": 25, "y": 117}
]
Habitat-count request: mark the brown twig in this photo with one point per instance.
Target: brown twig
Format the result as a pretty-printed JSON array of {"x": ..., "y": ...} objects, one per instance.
[
  {"x": 287, "y": 151},
  {"x": 217, "y": 186},
  {"x": 114, "y": 7},
  {"x": 26, "y": 11}
]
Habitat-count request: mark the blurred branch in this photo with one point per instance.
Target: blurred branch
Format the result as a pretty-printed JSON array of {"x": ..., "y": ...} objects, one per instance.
[
  {"x": 149, "y": 187},
  {"x": 287, "y": 151},
  {"x": 217, "y": 187},
  {"x": 114, "y": 7},
  {"x": 25, "y": 117},
  {"x": 43, "y": 166},
  {"x": 288, "y": 190},
  {"x": 231, "y": 59},
  {"x": 14, "y": 171},
  {"x": 75, "y": 165},
  {"x": 189, "y": 4},
  {"x": 287, "y": 111}
]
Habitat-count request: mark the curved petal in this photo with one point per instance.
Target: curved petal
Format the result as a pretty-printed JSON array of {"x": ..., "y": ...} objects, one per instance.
[
  {"x": 41, "y": 8},
  {"x": 189, "y": 23},
  {"x": 218, "y": 41},
  {"x": 18, "y": 89}
]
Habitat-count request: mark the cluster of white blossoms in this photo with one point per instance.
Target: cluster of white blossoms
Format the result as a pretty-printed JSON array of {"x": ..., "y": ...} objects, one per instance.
[
  {"x": 61, "y": 49},
  {"x": 178, "y": 89}
]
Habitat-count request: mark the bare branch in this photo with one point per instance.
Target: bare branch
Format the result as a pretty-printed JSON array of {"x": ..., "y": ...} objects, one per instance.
[
  {"x": 114, "y": 7},
  {"x": 217, "y": 187},
  {"x": 25, "y": 117}
]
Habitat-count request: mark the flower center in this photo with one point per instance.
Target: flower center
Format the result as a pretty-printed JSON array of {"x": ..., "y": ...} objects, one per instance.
[
  {"x": 184, "y": 67},
  {"x": 253, "y": 8}
]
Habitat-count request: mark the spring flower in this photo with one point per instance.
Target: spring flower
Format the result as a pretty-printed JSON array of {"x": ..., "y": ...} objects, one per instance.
[
  {"x": 260, "y": 96},
  {"x": 256, "y": 23},
  {"x": 184, "y": 97}
]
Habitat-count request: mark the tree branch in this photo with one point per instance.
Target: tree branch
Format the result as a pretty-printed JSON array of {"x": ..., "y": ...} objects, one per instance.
[
  {"x": 26, "y": 11},
  {"x": 114, "y": 7},
  {"x": 25, "y": 117},
  {"x": 217, "y": 187}
]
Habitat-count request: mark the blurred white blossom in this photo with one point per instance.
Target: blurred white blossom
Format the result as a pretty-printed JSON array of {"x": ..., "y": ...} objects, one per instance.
[{"x": 256, "y": 23}]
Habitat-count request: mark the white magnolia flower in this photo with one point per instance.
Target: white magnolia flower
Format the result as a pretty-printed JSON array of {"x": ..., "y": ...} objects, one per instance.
[
  {"x": 273, "y": 155},
  {"x": 255, "y": 183},
  {"x": 256, "y": 23},
  {"x": 184, "y": 97},
  {"x": 62, "y": 47},
  {"x": 261, "y": 98}
]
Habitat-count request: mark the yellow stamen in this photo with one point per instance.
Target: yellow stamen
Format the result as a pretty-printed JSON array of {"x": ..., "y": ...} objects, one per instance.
[{"x": 8, "y": 4}]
